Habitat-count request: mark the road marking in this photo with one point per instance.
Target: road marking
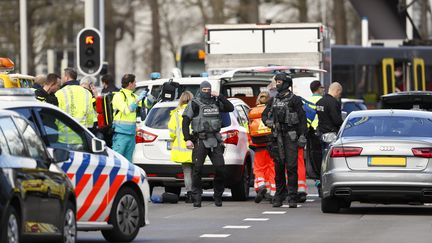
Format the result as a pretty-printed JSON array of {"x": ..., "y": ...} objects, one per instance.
[
  {"x": 312, "y": 195},
  {"x": 274, "y": 212},
  {"x": 255, "y": 219},
  {"x": 214, "y": 235},
  {"x": 287, "y": 206},
  {"x": 310, "y": 200},
  {"x": 236, "y": 226}
]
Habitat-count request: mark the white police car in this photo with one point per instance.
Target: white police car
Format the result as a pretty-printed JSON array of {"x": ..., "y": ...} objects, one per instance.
[
  {"x": 111, "y": 192},
  {"x": 152, "y": 151}
]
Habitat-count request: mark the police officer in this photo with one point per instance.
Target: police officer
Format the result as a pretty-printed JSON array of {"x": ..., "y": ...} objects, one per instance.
[
  {"x": 285, "y": 115},
  {"x": 329, "y": 114},
  {"x": 46, "y": 92},
  {"x": 125, "y": 104},
  {"x": 75, "y": 100},
  {"x": 204, "y": 114}
]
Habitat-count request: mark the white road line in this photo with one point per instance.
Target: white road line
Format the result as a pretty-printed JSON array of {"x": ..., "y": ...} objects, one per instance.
[
  {"x": 274, "y": 212},
  {"x": 255, "y": 219},
  {"x": 312, "y": 195},
  {"x": 287, "y": 206},
  {"x": 214, "y": 235},
  {"x": 236, "y": 226},
  {"x": 310, "y": 200}
]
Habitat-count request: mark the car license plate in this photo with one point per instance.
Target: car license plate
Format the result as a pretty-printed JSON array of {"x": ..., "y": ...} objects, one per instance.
[
  {"x": 387, "y": 161},
  {"x": 169, "y": 145}
]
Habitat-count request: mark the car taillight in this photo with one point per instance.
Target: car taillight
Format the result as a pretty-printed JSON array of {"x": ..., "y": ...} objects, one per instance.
[
  {"x": 144, "y": 136},
  {"x": 422, "y": 152},
  {"x": 230, "y": 137},
  {"x": 345, "y": 151}
]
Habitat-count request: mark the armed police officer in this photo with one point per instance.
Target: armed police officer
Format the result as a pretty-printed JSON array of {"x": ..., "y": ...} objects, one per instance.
[
  {"x": 203, "y": 111},
  {"x": 285, "y": 115}
]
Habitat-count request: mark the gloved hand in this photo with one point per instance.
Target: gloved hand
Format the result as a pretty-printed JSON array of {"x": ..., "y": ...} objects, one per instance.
[
  {"x": 142, "y": 95},
  {"x": 302, "y": 141},
  {"x": 133, "y": 107}
]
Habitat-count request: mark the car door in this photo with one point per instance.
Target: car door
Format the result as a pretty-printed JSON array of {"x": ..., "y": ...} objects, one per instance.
[
  {"x": 53, "y": 183},
  {"x": 24, "y": 170},
  {"x": 243, "y": 121},
  {"x": 93, "y": 175}
]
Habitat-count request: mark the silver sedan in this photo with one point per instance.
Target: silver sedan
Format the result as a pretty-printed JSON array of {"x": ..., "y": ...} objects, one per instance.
[{"x": 380, "y": 156}]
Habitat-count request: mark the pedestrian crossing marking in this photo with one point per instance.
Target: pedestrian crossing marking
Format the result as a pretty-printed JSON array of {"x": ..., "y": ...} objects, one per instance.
[
  {"x": 236, "y": 226},
  {"x": 287, "y": 206},
  {"x": 274, "y": 212},
  {"x": 214, "y": 235},
  {"x": 255, "y": 219},
  {"x": 310, "y": 200}
]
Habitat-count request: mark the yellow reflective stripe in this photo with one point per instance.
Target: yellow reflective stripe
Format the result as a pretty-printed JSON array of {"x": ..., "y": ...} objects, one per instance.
[{"x": 178, "y": 130}]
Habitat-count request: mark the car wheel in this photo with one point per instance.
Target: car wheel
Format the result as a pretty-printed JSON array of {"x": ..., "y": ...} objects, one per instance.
[
  {"x": 173, "y": 189},
  {"x": 125, "y": 217},
  {"x": 240, "y": 190},
  {"x": 12, "y": 227},
  {"x": 330, "y": 205},
  {"x": 69, "y": 225}
]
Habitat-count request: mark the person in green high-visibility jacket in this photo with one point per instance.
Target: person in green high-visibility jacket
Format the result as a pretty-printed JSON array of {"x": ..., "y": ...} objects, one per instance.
[{"x": 125, "y": 104}]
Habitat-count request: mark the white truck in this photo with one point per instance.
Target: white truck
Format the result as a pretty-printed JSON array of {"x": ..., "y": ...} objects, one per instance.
[{"x": 230, "y": 46}]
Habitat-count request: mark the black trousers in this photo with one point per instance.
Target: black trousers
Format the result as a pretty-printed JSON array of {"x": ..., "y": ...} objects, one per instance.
[
  {"x": 199, "y": 153},
  {"x": 314, "y": 148},
  {"x": 288, "y": 167}
]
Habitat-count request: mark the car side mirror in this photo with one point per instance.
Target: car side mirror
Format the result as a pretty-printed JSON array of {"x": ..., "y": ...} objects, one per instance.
[
  {"x": 98, "y": 145},
  {"x": 60, "y": 155}
]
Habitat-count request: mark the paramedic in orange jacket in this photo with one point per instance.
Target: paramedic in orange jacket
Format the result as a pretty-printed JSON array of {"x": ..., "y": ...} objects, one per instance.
[{"x": 263, "y": 167}]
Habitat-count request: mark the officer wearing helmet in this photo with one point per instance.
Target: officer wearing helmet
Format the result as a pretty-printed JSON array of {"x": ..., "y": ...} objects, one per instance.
[
  {"x": 203, "y": 113},
  {"x": 285, "y": 115}
]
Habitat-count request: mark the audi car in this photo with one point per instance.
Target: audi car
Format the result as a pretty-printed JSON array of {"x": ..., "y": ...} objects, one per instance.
[{"x": 379, "y": 156}]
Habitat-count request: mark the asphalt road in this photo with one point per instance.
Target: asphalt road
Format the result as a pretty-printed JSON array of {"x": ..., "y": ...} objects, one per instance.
[{"x": 251, "y": 222}]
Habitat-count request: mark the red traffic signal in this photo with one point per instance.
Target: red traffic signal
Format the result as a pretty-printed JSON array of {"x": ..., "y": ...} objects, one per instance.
[{"x": 89, "y": 52}]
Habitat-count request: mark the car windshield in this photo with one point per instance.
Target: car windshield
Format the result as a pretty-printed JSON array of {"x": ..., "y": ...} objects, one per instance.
[
  {"x": 388, "y": 126},
  {"x": 158, "y": 118}
]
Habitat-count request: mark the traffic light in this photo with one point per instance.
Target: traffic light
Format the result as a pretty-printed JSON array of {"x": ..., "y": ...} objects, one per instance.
[{"x": 89, "y": 51}]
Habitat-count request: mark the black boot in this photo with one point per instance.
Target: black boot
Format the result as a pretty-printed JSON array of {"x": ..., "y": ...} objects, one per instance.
[
  {"x": 260, "y": 194},
  {"x": 301, "y": 197},
  {"x": 218, "y": 201},
  {"x": 188, "y": 197},
  {"x": 197, "y": 201}
]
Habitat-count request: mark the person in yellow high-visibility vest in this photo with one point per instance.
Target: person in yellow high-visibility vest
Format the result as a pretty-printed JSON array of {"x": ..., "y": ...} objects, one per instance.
[
  {"x": 125, "y": 104},
  {"x": 313, "y": 141},
  {"x": 179, "y": 152},
  {"x": 77, "y": 102}
]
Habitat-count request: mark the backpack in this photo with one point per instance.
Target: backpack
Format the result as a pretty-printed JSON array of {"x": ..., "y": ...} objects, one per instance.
[
  {"x": 169, "y": 91},
  {"x": 105, "y": 110},
  {"x": 310, "y": 112}
]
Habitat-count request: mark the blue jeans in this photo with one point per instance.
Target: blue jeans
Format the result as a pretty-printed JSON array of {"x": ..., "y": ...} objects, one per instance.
[{"x": 124, "y": 144}]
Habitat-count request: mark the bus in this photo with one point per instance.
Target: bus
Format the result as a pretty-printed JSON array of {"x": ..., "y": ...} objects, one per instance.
[{"x": 190, "y": 60}]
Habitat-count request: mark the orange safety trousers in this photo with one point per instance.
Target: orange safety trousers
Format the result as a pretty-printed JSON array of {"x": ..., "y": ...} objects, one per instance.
[{"x": 264, "y": 171}]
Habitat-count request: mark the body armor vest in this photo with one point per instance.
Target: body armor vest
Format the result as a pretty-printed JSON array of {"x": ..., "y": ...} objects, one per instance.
[
  {"x": 283, "y": 112},
  {"x": 208, "y": 119}
]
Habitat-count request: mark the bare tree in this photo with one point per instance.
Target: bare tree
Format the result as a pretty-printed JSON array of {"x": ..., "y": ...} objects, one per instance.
[
  {"x": 156, "y": 37},
  {"x": 424, "y": 9},
  {"x": 340, "y": 19},
  {"x": 248, "y": 11}
]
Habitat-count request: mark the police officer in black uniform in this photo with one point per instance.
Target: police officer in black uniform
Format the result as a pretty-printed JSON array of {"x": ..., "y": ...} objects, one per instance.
[
  {"x": 285, "y": 115},
  {"x": 203, "y": 111}
]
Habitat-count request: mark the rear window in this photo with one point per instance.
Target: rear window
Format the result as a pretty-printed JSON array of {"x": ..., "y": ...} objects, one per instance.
[
  {"x": 158, "y": 118},
  {"x": 156, "y": 89},
  {"x": 353, "y": 106},
  {"x": 388, "y": 126}
]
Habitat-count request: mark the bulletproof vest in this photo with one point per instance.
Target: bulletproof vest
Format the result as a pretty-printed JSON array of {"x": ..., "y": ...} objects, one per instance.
[
  {"x": 283, "y": 112},
  {"x": 208, "y": 119}
]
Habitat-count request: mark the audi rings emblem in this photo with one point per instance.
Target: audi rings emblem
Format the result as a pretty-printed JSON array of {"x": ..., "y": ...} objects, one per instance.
[{"x": 387, "y": 148}]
